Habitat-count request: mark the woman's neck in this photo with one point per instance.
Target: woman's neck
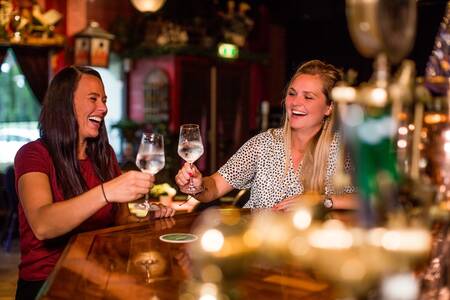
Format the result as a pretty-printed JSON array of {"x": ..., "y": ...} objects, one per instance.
[
  {"x": 299, "y": 143},
  {"x": 81, "y": 150},
  {"x": 300, "y": 139}
]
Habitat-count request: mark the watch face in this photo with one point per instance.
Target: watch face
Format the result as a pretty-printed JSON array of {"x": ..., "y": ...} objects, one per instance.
[{"x": 328, "y": 203}]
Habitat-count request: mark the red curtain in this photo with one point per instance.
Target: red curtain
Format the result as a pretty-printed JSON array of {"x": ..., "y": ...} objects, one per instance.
[
  {"x": 2, "y": 54},
  {"x": 34, "y": 63}
]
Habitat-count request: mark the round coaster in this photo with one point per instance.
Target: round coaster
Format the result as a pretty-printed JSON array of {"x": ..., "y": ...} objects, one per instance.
[{"x": 178, "y": 237}]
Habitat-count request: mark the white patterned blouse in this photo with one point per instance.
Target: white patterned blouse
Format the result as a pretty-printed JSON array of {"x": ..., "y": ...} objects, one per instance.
[{"x": 260, "y": 165}]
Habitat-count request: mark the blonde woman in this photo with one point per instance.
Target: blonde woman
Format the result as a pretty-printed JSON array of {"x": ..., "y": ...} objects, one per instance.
[{"x": 282, "y": 164}]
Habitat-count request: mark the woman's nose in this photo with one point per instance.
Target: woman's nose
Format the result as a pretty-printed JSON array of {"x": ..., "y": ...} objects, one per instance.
[
  {"x": 297, "y": 100},
  {"x": 101, "y": 106}
]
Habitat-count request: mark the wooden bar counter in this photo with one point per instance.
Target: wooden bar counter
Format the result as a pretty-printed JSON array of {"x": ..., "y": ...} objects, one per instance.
[{"x": 104, "y": 264}]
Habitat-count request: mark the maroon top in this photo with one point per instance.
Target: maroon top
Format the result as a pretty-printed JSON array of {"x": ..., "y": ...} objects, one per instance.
[{"x": 38, "y": 258}]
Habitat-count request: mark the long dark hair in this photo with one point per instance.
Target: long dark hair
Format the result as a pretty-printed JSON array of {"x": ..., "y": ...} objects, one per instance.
[{"x": 58, "y": 128}]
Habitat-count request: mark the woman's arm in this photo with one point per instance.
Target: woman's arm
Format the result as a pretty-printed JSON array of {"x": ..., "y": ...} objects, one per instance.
[
  {"x": 207, "y": 188},
  {"x": 214, "y": 187},
  {"x": 344, "y": 201},
  {"x": 50, "y": 219}
]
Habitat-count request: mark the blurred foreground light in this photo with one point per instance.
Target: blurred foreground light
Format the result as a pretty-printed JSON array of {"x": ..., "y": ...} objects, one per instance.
[
  {"x": 435, "y": 118},
  {"x": 302, "y": 219},
  {"x": 252, "y": 238},
  {"x": 376, "y": 235},
  {"x": 343, "y": 94},
  {"x": 447, "y": 147},
  {"x": 403, "y": 130},
  {"x": 412, "y": 240},
  {"x": 211, "y": 273},
  {"x": 299, "y": 246},
  {"x": 353, "y": 269},
  {"x": 212, "y": 240},
  {"x": 209, "y": 291},
  {"x": 207, "y": 297},
  {"x": 402, "y": 144},
  {"x": 378, "y": 97},
  {"x": 333, "y": 235},
  {"x": 446, "y": 134},
  {"x": 402, "y": 286},
  {"x": 272, "y": 229}
]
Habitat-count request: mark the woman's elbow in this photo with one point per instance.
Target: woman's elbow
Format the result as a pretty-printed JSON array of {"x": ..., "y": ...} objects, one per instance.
[{"x": 42, "y": 233}]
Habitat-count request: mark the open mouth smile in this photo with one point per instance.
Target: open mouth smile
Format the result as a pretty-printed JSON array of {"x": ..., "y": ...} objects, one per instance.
[
  {"x": 298, "y": 113},
  {"x": 96, "y": 120}
]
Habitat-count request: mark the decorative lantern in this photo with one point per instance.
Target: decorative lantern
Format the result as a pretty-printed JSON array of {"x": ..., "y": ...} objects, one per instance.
[
  {"x": 92, "y": 46},
  {"x": 149, "y": 6}
]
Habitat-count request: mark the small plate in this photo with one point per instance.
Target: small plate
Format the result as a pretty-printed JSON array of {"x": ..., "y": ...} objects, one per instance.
[{"x": 178, "y": 238}]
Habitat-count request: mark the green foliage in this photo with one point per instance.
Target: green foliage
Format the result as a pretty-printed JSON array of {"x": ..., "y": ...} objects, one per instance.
[{"x": 17, "y": 101}]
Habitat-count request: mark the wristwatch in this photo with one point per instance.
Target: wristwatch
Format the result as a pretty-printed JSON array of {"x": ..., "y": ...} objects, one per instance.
[{"x": 328, "y": 202}]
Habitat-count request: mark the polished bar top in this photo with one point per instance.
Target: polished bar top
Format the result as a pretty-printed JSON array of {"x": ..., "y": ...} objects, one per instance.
[{"x": 110, "y": 264}]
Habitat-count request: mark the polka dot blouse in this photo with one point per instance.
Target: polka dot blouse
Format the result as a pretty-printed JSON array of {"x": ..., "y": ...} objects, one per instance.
[{"x": 260, "y": 165}]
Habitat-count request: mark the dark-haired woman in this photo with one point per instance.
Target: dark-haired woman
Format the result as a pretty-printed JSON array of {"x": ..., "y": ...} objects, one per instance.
[{"x": 69, "y": 181}]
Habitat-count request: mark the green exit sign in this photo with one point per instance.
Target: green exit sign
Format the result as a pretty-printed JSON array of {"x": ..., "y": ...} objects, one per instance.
[{"x": 227, "y": 50}]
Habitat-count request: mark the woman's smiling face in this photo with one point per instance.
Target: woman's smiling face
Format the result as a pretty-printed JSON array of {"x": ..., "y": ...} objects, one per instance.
[
  {"x": 90, "y": 106},
  {"x": 306, "y": 104}
]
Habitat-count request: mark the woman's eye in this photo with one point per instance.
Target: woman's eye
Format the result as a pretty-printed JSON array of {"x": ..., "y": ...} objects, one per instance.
[{"x": 291, "y": 94}]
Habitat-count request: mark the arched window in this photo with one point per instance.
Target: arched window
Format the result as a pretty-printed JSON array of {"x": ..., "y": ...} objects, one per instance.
[{"x": 156, "y": 97}]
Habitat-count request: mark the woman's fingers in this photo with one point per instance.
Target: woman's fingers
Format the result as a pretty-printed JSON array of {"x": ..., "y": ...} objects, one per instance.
[
  {"x": 130, "y": 186},
  {"x": 285, "y": 204},
  {"x": 163, "y": 211},
  {"x": 183, "y": 176}
]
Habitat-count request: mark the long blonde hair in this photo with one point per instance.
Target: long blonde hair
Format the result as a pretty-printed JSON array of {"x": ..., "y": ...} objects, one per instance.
[{"x": 315, "y": 158}]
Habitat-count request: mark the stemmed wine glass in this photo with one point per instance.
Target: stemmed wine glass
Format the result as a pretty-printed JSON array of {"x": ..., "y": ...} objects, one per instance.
[
  {"x": 150, "y": 158},
  {"x": 190, "y": 147}
]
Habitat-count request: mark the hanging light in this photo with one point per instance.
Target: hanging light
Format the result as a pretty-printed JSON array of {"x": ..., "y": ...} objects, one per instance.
[
  {"x": 148, "y": 5},
  {"x": 92, "y": 46}
]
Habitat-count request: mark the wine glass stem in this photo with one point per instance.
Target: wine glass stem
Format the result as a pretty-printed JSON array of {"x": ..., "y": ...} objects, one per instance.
[{"x": 191, "y": 182}]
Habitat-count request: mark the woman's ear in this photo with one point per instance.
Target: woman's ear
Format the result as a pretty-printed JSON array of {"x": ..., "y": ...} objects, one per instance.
[{"x": 329, "y": 109}]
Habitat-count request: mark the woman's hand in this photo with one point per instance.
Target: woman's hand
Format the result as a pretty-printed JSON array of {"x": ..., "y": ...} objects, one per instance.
[
  {"x": 287, "y": 204},
  {"x": 185, "y": 174},
  {"x": 290, "y": 203},
  {"x": 129, "y": 186},
  {"x": 163, "y": 211}
]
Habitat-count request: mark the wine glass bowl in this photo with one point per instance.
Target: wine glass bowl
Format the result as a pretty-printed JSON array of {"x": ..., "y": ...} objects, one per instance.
[
  {"x": 190, "y": 151},
  {"x": 190, "y": 147},
  {"x": 150, "y": 159}
]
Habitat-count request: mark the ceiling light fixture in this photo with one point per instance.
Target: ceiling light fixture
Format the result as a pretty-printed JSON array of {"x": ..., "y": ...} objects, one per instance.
[{"x": 149, "y": 6}]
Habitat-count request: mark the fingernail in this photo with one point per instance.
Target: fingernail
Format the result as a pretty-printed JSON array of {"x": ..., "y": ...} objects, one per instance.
[{"x": 191, "y": 174}]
